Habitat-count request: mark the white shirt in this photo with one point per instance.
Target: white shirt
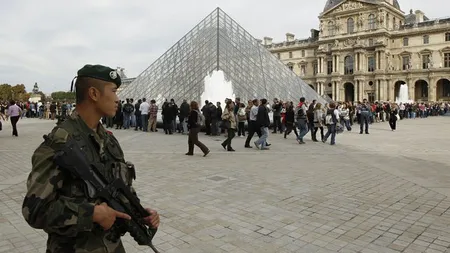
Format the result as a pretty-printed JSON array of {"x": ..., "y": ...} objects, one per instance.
[{"x": 144, "y": 108}]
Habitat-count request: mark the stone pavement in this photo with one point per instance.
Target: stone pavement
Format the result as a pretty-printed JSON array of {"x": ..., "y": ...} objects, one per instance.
[{"x": 383, "y": 192}]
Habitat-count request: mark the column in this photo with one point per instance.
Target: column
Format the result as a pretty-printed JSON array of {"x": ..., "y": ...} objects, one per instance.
[
  {"x": 337, "y": 64},
  {"x": 377, "y": 89},
  {"x": 334, "y": 64},
  {"x": 320, "y": 64},
  {"x": 355, "y": 95},
  {"x": 357, "y": 61},
  {"x": 338, "y": 92},
  {"x": 432, "y": 88}
]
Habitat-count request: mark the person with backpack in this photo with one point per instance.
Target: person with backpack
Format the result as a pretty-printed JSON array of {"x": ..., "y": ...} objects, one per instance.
[
  {"x": 365, "y": 113},
  {"x": 229, "y": 123},
  {"x": 196, "y": 121},
  {"x": 302, "y": 121},
  {"x": 331, "y": 120}
]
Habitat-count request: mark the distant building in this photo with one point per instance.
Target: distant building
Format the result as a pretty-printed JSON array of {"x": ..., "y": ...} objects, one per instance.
[
  {"x": 367, "y": 49},
  {"x": 125, "y": 80}
]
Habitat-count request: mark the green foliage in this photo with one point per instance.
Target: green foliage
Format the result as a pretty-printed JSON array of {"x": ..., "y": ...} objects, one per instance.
[
  {"x": 63, "y": 95},
  {"x": 17, "y": 92}
]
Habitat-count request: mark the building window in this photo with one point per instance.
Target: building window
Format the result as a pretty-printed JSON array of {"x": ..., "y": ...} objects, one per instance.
[
  {"x": 290, "y": 55},
  {"x": 350, "y": 25},
  {"x": 279, "y": 55},
  {"x": 447, "y": 37},
  {"x": 329, "y": 67},
  {"x": 426, "y": 39},
  {"x": 372, "y": 22},
  {"x": 425, "y": 61},
  {"x": 371, "y": 97},
  {"x": 371, "y": 62},
  {"x": 405, "y": 42},
  {"x": 303, "y": 53},
  {"x": 303, "y": 70},
  {"x": 315, "y": 68},
  {"x": 348, "y": 65},
  {"x": 447, "y": 60},
  {"x": 405, "y": 62},
  {"x": 370, "y": 42},
  {"x": 331, "y": 29}
]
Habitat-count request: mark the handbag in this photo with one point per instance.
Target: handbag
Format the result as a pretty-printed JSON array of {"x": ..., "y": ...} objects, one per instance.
[
  {"x": 397, "y": 116},
  {"x": 226, "y": 124}
]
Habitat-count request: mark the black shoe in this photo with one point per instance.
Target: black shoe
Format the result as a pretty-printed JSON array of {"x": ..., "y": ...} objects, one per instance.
[
  {"x": 360, "y": 132},
  {"x": 206, "y": 153},
  {"x": 367, "y": 132},
  {"x": 189, "y": 154},
  {"x": 268, "y": 144},
  {"x": 248, "y": 146},
  {"x": 224, "y": 146},
  {"x": 231, "y": 150}
]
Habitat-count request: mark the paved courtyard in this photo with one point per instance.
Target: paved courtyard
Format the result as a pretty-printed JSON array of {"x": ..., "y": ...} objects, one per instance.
[{"x": 383, "y": 192}]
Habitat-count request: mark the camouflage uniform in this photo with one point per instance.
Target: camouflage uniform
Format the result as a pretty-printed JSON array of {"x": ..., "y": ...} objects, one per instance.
[{"x": 57, "y": 203}]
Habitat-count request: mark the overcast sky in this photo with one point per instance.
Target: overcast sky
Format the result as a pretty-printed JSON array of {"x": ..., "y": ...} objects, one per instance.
[{"x": 47, "y": 41}]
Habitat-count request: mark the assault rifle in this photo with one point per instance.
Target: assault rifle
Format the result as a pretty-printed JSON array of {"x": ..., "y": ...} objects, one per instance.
[{"x": 116, "y": 194}]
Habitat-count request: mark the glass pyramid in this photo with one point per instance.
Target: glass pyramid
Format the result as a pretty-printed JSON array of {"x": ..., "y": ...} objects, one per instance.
[{"x": 218, "y": 43}]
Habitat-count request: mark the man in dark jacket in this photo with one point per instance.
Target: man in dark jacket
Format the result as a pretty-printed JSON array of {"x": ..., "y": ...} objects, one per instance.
[
  {"x": 213, "y": 113},
  {"x": 137, "y": 113},
  {"x": 263, "y": 122},
  {"x": 183, "y": 116}
]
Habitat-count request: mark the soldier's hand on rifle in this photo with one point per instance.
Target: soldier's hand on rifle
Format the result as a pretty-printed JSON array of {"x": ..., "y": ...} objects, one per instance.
[
  {"x": 105, "y": 216},
  {"x": 153, "y": 219}
]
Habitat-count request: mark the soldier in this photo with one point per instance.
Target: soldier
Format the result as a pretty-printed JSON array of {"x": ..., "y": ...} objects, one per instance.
[{"x": 56, "y": 201}]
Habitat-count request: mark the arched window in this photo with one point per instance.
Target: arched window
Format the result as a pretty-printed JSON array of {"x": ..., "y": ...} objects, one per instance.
[
  {"x": 331, "y": 29},
  {"x": 348, "y": 65},
  {"x": 350, "y": 25},
  {"x": 372, "y": 22}
]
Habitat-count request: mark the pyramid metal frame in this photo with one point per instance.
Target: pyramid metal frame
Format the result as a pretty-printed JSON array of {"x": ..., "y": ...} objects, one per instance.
[{"x": 218, "y": 43}]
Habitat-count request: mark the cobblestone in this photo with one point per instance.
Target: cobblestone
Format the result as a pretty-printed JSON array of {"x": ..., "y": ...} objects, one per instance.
[{"x": 383, "y": 192}]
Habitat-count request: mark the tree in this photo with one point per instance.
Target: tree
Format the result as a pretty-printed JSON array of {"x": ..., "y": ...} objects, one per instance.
[
  {"x": 18, "y": 91},
  {"x": 63, "y": 95},
  {"x": 5, "y": 92}
]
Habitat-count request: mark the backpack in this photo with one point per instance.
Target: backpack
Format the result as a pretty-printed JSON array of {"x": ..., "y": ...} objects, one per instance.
[
  {"x": 242, "y": 116},
  {"x": 300, "y": 113},
  {"x": 128, "y": 108},
  {"x": 200, "y": 119},
  {"x": 330, "y": 119}
]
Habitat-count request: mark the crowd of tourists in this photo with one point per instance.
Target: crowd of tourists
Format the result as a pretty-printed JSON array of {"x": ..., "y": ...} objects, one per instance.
[{"x": 244, "y": 120}]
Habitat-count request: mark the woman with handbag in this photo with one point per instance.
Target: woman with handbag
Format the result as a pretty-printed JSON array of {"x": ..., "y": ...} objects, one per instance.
[
  {"x": 194, "y": 128},
  {"x": 229, "y": 123},
  {"x": 318, "y": 122},
  {"x": 393, "y": 117}
]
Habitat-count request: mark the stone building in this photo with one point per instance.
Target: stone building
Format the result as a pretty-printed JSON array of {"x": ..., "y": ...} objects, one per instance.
[{"x": 367, "y": 49}]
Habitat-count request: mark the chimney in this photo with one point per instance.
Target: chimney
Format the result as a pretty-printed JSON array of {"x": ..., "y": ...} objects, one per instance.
[
  {"x": 267, "y": 41},
  {"x": 419, "y": 16},
  {"x": 290, "y": 37},
  {"x": 315, "y": 34}
]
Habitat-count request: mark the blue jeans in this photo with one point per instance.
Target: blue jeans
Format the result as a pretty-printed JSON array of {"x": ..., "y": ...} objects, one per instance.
[
  {"x": 262, "y": 141},
  {"x": 302, "y": 128},
  {"x": 331, "y": 131},
  {"x": 364, "y": 123},
  {"x": 126, "y": 120},
  {"x": 144, "y": 121}
]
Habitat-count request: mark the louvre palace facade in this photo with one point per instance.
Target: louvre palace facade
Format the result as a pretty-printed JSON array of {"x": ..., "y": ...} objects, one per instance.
[{"x": 367, "y": 49}]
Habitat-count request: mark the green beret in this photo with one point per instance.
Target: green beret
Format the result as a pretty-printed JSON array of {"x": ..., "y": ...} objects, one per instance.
[{"x": 100, "y": 72}]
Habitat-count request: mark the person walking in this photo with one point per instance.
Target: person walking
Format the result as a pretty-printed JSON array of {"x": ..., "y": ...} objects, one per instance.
[
  {"x": 195, "y": 121},
  {"x": 331, "y": 120},
  {"x": 229, "y": 118},
  {"x": 14, "y": 113},
  {"x": 393, "y": 117}
]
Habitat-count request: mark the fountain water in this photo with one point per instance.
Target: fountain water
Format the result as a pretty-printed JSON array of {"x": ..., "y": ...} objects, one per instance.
[
  {"x": 403, "y": 96},
  {"x": 217, "y": 89}
]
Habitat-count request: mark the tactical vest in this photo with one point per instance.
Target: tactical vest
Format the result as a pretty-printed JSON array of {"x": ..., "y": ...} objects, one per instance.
[{"x": 110, "y": 162}]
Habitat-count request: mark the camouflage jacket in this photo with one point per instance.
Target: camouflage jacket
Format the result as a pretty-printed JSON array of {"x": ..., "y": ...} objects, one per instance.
[{"x": 57, "y": 202}]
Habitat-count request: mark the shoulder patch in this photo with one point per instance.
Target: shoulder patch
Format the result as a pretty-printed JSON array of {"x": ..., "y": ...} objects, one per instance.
[{"x": 60, "y": 135}]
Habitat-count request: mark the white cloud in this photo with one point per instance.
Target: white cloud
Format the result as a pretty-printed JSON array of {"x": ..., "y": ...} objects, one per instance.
[{"x": 47, "y": 41}]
